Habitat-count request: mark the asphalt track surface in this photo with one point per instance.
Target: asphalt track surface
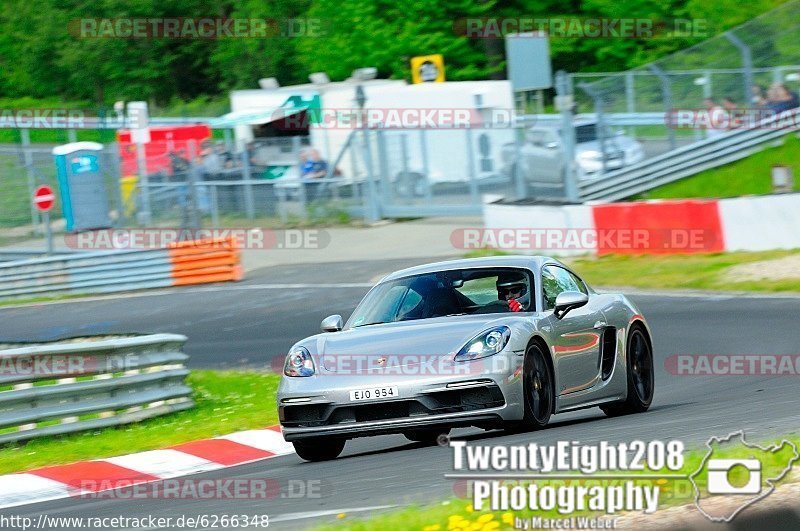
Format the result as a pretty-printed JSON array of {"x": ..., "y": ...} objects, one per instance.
[{"x": 249, "y": 323}]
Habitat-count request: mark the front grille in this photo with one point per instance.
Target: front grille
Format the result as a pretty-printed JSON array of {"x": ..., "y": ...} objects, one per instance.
[{"x": 450, "y": 401}]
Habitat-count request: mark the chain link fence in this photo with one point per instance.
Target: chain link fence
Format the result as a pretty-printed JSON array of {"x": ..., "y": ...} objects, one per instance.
[{"x": 738, "y": 64}]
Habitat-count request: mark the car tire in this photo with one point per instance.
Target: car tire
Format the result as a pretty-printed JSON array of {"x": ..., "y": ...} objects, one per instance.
[
  {"x": 538, "y": 387},
  {"x": 640, "y": 375},
  {"x": 426, "y": 435},
  {"x": 319, "y": 449}
]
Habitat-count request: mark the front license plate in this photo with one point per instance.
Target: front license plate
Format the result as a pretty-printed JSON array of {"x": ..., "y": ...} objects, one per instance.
[{"x": 373, "y": 393}]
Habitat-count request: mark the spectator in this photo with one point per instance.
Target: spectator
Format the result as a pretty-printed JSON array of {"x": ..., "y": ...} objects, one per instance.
[
  {"x": 758, "y": 98},
  {"x": 313, "y": 166},
  {"x": 729, "y": 104},
  {"x": 781, "y": 98},
  {"x": 211, "y": 161},
  {"x": 717, "y": 118}
]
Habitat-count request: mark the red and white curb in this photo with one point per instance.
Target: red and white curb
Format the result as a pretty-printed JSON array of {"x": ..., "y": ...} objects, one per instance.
[{"x": 76, "y": 479}]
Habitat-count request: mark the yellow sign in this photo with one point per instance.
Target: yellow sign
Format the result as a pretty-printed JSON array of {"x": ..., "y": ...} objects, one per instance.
[{"x": 427, "y": 69}]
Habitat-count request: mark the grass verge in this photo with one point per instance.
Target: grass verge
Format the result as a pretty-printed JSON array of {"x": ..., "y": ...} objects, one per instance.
[
  {"x": 458, "y": 512},
  {"x": 226, "y": 401},
  {"x": 749, "y": 176},
  {"x": 700, "y": 271}
]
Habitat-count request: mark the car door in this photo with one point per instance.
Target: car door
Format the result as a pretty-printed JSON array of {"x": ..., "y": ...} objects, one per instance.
[{"x": 577, "y": 334}]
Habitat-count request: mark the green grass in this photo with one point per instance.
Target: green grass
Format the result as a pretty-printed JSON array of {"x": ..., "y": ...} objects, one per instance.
[
  {"x": 749, "y": 176},
  {"x": 226, "y": 401},
  {"x": 700, "y": 271},
  {"x": 458, "y": 513}
]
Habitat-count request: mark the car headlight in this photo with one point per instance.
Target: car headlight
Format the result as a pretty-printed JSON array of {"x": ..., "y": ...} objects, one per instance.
[
  {"x": 485, "y": 344},
  {"x": 298, "y": 363}
]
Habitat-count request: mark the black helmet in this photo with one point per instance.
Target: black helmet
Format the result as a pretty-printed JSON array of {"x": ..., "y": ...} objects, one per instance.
[{"x": 513, "y": 282}]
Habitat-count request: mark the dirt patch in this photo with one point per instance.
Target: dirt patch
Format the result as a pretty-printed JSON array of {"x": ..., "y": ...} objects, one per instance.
[{"x": 784, "y": 268}]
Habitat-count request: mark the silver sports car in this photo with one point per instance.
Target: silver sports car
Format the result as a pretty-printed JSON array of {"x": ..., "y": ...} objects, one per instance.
[{"x": 501, "y": 342}]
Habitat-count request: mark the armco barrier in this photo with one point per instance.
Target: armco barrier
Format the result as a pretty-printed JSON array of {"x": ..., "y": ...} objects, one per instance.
[
  {"x": 183, "y": 263},
  {"x": 669, "y": 227},
  {"x": 72, "y": 386}
]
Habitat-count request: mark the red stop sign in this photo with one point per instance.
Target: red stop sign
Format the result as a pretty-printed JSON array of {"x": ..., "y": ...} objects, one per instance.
[{"x": 44, "y": 198}]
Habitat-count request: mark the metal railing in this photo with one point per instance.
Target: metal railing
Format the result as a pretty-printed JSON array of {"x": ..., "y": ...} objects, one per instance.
[
  {"x": 689, "y": 160},
  {"x": 122, "y": 270},
  {"x": 71, "y": 386}
]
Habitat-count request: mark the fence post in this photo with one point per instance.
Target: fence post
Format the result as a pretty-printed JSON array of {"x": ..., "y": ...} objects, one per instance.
[
  {"x": 195, "y": 173},
  {"x": 473, "y": 181},
  {"x": 144, "y": 185},
  {"x": 599, "y": 110},
  {"x": 373, "y": 209},
  {"x": 249, "y": 207},
  {"x": 666, "y": 91},
  {"x": 564, "y": 105},
  {"x": 423, "y": 145},
  {"x": 25, "y": 135},
  {"x": 747, "y": 63},
  {"x": 212, "y": 190},
  {"x": 630, "y": 92}
]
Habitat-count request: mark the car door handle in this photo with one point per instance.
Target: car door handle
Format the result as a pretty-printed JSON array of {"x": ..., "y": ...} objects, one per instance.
[{"x": 599, "y": 324}]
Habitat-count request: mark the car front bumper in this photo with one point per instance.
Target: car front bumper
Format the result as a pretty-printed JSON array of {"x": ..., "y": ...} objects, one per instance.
[{"x": 485, "y": 399}]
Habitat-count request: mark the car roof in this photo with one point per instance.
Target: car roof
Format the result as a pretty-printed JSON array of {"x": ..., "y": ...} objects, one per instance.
[{"x": 530, "y": 262}]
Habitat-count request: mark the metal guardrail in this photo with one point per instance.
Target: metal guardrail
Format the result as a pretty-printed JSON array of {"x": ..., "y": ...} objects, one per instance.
[
  {"x": 71, "y": 386},
  {"x": 193, "y": 262},
  {"x": 690, "y": 159},
  {"x": 611, "y": 119}
]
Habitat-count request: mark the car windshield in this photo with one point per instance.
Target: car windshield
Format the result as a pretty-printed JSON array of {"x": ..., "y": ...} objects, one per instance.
[
  {"x": 456, "y": 292},
  {"x": 588, "y": 133}
]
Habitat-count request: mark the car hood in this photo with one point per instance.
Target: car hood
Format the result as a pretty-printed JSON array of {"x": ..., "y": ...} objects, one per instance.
[{"x": 375, "y": 347}]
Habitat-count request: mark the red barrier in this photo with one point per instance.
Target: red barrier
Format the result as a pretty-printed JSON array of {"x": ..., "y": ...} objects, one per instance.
[{"x": 662, "y": 227}]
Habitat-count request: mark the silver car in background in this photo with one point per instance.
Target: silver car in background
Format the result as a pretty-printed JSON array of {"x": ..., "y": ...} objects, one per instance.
[
  {"x": 540, "y": 158},
  {"x": 501, "y": 342}
]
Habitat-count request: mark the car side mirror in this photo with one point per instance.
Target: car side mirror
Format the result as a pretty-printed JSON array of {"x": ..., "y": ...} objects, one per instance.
[
  {"x": 569, "y": 300},
  {"x": 332, "y": 323}
]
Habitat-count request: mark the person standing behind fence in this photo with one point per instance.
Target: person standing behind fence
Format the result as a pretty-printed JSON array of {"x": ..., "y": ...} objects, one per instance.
[
  {"x": 312, "y": 167},
  {"x": 717, "y": 118}
]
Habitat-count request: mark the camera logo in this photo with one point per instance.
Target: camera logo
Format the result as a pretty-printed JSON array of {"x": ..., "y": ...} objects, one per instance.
[
  {"x": 721, "y": 470},
  {"x": 735, "y": 474}
]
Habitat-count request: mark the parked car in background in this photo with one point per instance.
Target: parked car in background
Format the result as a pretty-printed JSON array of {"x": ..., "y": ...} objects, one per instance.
[{"x": 541, "y": 158}]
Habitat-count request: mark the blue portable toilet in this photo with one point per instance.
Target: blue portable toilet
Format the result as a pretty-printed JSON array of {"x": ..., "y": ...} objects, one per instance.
[{"x": 84, "y": 198}]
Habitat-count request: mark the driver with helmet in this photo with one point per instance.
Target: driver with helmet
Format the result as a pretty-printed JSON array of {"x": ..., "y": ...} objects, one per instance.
[{"x": 513, "y": 289}]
